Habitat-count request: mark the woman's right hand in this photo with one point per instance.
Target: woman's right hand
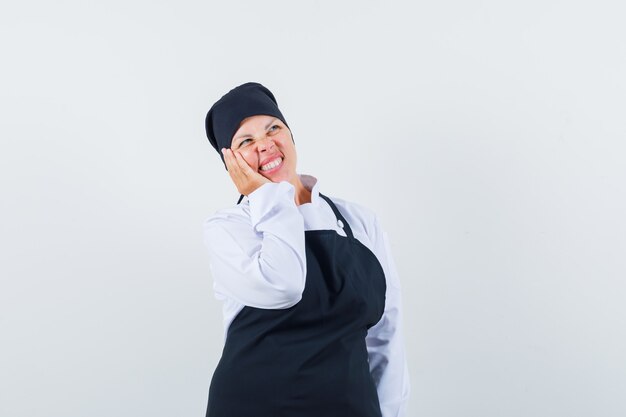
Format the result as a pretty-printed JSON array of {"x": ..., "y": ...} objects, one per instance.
[{"x": 245, "y": 178}]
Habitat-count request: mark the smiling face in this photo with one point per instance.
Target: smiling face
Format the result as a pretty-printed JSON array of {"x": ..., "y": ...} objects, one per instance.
[{"x": 265, "y": 143}]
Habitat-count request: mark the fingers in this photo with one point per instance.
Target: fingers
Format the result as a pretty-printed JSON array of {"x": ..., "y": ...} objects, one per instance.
[
  {"x": 235, "y": 163},
  {"x": 244, "y": 177},
  {"x": 243, "y": 165},
  {"x": 227, "y": 158}
]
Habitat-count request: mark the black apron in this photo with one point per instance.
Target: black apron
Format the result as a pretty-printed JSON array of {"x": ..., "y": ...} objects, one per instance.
[{"x": 309, "y": 360}]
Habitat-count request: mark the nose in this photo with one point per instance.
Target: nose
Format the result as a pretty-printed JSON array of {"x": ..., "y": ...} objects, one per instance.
[{"x": 265, "y": 144}]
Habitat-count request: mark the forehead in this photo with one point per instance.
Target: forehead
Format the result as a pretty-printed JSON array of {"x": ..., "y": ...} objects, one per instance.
[{"x": 250, "y": 125}]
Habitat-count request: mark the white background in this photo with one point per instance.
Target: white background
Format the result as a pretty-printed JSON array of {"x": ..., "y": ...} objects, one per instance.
[{"x": 487, "y": 135}]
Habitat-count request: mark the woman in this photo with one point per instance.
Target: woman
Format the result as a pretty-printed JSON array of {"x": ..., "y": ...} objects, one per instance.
[{"x": 311, "y": 295}]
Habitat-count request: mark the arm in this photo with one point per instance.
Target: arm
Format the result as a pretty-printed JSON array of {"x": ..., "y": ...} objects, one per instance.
[
  {"x": 385, "y": 342},
  {"x": 260, "y": 260}
]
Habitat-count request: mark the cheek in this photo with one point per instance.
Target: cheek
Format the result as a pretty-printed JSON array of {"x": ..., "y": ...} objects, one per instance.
[
  {"x": 286, "y": 144},
  {"x": 289, "y": 147},
  {"x": 250, "y": 158}
]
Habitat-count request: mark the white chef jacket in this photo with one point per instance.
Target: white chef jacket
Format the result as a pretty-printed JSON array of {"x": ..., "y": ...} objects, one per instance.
[{"x": 257, "y": 258}]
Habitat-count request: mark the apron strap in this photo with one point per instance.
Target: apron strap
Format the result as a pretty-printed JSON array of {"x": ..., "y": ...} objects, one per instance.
[{"x": 341, "y": 221}]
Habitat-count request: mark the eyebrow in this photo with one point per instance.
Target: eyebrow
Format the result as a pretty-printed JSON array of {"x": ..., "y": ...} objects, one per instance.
[{"x": 243, "y": 135}]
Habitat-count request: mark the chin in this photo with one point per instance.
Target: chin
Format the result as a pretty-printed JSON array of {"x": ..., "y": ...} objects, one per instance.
[
  {"x": 279, "y": 178},
  {"x": 274, "y": 176}
]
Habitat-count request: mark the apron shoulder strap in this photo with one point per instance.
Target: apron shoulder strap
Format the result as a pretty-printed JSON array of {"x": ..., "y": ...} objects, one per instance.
[{"x": 341, "y": 221}]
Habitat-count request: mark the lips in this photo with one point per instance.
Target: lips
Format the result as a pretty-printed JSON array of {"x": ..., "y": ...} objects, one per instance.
[
  {"x": 270, "y": 159},
  {"x": 271, "y": 164}
]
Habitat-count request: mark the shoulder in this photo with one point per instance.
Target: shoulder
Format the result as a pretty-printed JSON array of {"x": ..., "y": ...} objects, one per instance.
[
  {"x": 356, "y": 209},
  {"x": 227, "y": 218},
  {"x": 361, "y": 219}
]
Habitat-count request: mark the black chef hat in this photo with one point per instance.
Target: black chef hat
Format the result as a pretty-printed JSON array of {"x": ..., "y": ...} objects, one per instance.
[{"x": 225, "y": 116}]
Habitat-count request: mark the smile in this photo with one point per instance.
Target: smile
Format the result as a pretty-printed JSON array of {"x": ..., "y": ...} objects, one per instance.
[{"x": 271, "y": 165}]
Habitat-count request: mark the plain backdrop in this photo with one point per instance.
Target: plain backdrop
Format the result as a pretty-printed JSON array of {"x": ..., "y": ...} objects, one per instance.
[{"x": 488, "y": 136}]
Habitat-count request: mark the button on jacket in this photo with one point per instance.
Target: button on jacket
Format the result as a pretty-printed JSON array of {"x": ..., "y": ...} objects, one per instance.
[{"x": 258, "y": 259}]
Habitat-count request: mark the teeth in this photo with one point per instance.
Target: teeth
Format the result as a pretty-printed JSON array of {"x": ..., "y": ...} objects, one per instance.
[{"x": 272, "y": 164}]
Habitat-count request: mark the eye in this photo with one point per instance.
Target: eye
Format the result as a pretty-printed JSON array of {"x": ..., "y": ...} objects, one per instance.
[
  {"x": 244, "y": 142},
  {"x": 274, "y": 128}
]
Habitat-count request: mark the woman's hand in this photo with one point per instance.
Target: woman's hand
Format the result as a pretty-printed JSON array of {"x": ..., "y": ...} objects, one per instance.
[{"x": 245, "y": 178}]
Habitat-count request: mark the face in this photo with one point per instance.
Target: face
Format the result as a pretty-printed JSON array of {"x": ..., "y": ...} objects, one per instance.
[{"x": 265, "y": 143}]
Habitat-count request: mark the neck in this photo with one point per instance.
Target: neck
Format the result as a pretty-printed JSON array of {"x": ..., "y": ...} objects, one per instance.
[{"x": 303, "y": 195}]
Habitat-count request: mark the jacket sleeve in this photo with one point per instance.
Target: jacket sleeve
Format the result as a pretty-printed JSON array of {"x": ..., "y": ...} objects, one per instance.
[
  {"x": 259, "y": 259},
  {"x": 385, "y": 342}
]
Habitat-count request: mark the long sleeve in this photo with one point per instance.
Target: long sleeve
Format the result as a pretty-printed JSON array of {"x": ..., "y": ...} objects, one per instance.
[
  {"x": 258, "y": 257},
  {"x": 385, "y": 344}
]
